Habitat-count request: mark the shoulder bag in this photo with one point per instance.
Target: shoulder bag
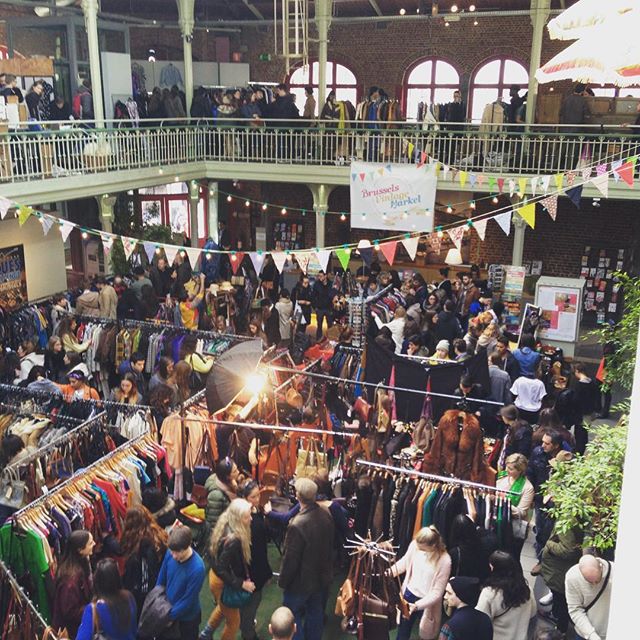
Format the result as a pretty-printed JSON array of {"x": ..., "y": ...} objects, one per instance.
[
  {"x": 602, "y": 588},
  {"x": 346, "y": 600},
  {"x": 235, "y": 598}
]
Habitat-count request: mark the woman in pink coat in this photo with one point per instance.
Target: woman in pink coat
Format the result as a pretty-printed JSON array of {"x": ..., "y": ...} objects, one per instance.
[{"x": 426, "y": 566}]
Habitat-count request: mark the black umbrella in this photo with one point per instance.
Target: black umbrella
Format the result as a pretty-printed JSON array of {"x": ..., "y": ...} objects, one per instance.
[{"x": 231, "y": 372}]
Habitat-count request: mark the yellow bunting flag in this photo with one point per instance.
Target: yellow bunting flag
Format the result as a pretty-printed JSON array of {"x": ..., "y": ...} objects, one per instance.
[
  {"x": 24, "y": 213},
  {"x": 462, "y": 175},
  {"x": 528, "y": 213}
]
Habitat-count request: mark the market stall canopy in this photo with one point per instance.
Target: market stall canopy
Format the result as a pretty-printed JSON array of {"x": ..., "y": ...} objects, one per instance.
[
  {"x": 579, "y": 19},
  {"x": 231, "y": 372},
  {"x": 608, "y": 54}
]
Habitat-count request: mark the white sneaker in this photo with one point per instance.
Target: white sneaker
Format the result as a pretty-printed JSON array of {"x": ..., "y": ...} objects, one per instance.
[{"x": 546, "y": 600}]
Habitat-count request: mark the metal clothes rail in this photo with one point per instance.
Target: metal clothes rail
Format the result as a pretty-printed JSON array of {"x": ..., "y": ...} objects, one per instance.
[
  {"x": 46, "y": 414},
  {"x": 84, "y": 473},
  {"x": 15, "y": 585},
  {"x": 429, "y": 476},
  {"x": 323, "y": 376}
]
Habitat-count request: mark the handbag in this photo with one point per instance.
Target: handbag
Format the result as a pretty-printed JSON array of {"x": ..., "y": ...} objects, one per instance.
[
  {"x": 310, "y": 461},
  {"x": 12, "y": 489},
  {"x": 520, "y": 528},
  {"x": 346, "y": 600},
  {"x": 235, "y": 598}
]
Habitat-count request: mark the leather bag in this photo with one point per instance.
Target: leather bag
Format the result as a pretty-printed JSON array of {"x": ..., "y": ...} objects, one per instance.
[
  {"x": 12, "y": 490},
  {"x": 346, "y": 600},
  {"x": 310, "y": 461}
]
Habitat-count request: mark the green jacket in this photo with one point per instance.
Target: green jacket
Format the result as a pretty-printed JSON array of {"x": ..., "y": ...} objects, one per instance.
[
  {"x": 561, "y": 552},
  {"x": 217, "y": 501}
]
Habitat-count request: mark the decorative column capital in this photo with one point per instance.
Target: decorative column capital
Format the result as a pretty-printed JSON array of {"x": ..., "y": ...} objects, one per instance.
[
  {"x": 90, "y": 6},
  {"x": 186, "y": 18}
]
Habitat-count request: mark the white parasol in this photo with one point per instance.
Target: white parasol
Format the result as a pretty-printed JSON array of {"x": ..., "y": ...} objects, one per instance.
[{"x": 579, "y": 19}]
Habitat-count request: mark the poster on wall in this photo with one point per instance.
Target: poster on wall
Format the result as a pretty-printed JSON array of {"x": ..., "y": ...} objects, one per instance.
[
  {"x": 13, "y": 277},
  {"x": 393, "y": 197},
  {"x": 560, "y": 313}
]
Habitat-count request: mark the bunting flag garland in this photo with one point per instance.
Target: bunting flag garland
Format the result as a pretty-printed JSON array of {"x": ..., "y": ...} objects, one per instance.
[
  {"x": 107, "y": 244},
  {"x": 504, "y": 220},
  {"x": 512, "y": 188},
  {"x": 389, "y": 250},
  {"x": 366, "y": 253},
  {"x": 571, "y": 177},
  {"x": 551, "y": 205},
  {"x": 257, "y": 260},
  {"x": 128, "y": 244},
  {"x": 481, "y": 227},
  {"x": 456, "y": 234},
  {"x": 445, "y": 171},
  {"x": 501, "y": 184},
  {"x": 559, "y": 180},
  {"x": 236, "y": 260},
  {"x": 601, "y": 169},
  {"x": 545, "y": 180},
  {"x": 574, "y": 194},
  {"x": 66, "y": 228},
  {"x": 24, "y": 213},
  {"x": 534, "y": 185},
  {"x": 463, "y": 178},
  {"x": 171, "y": 251},
  {"x": 481, "y": 179},
  {"x": 280, "y": 259},
  {"x": 528, "y": 214},
  {"x": 601, "y": 183},
  {"x": 435, "y": 242},
  {"x": 522, "y": 185},
  {"x": 473, "y": 178},
  {"x": 492, "y": 183},
  {"x": 302, "y": 259},
  {"x": 586, "y": 173},
  {"x": 193, "y": 254},
  {"x": 149, "y": 249},
  {"x": 411, "y": 245},
  {"x": 625, "y": 171},
  {"x": 5, "y": 205},
  {"x": 343, "y": 255},
  {"x": 323, "y": 255},
  {"x": 615, "y": 165},
  {"x": 47, "y": 223}
]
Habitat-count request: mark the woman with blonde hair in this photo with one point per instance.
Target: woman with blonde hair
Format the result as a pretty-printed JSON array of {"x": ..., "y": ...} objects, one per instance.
[
  {"x": 230, "y": 553},
  {"x": 514, "y": 479},
  {"x": 426, "y": 566}
]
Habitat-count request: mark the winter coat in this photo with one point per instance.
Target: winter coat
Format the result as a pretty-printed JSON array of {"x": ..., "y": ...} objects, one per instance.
[
  {"x": 217, "y": 501},
  {"x": 447, "y": 327},
  {"x": 88, "y": 304},
  {"x": 141, "y": 571},
  {"x": 259, "y": 568},
  {"x": 72, "y": 595},
  {"x": 108, "y": 302},
  {"x": 538, "y": 471},
  {"x": 560, "y": 553},
  {"x": 321, "y": 295}
]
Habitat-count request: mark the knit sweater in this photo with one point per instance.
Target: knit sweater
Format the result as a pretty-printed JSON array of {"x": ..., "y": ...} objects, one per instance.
[
  {"x": 592, "y": 624},
  {"x": 508, "y": 624},
  {"x": 182, "y": 581}
]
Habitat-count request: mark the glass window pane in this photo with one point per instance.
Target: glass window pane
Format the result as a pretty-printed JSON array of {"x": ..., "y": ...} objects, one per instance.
[
  {"x": 344, "y": 76},
  {"x": 50, "y": 42},
  {"x": 179, "y": 216},
  {"x": 176, "y": 187},
  {"x": 421, "y": 74},
  {"x": 300, "y": 76},
  {"x": 515, "y": 73},
  {"x": 344, "y": 94},
  {"x": 202, "y": 229},
  {"x": 415, "y": 97},
  {"x": 151, "y": 212},
  {"x": 329, "y": 72},
  {"x": 632, "y": 92},
  {"x": 446, "y": 74},
  {"x": 604, "y": 92},
  {"x": 481, "y": 98},
  {"x": 299, "y": 96},
  {"x": 489, "y": 73},
  {"x": 443, "y": 96}
]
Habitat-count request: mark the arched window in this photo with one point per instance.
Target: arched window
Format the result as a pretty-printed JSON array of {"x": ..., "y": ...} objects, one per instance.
[
  {"x": 492, "y": 81},
  {"x": 431, "y": 82},
  {"x": 339, "y": 79}
]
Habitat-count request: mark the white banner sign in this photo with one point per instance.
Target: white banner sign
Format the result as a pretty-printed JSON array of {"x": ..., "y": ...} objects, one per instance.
[{"x": 393, "y": 197}]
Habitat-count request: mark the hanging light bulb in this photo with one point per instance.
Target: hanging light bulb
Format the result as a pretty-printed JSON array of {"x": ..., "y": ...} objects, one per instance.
[
  {"x": 472, "y": 7},
  {"x": 343, "y": 217},
  {"x": 402, "y": 11},
  {"x": 229, "y": 198},
  {"x": 449, "y": 209},
  {"x": 264, "y": 206},
  {"x": 85, "y": 235},
  {"x": 475, "y": 23},
  {"x": 494, "y": 199},
  {"x": 472, "y": 204},
  {"x": 157, "y": 251},
  {"x": 454, "y": 8},
  {"x": 440, "y": 233},
  {"x": 446, "y": 24},
  {"x": 247, "y": 203},
  {"x": 283, "y": 211},
  {"x": 183, "y": 254}
]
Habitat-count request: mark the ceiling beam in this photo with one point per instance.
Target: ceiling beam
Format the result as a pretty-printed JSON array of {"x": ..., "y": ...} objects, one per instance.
[
  {"x": 375, "y": 7},
  {"x": 256, "y": 12}
]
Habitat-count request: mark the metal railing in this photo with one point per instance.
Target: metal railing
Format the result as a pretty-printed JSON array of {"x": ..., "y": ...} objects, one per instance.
[{"x": 81, "y": 149}]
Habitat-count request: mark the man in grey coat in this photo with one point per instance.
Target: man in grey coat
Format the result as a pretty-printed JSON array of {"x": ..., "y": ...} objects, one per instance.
[{"x": 500, "y": 380}]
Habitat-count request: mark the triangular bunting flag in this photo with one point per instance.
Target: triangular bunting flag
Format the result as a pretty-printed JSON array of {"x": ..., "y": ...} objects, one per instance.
[
  {"x": 388, "y": 168},
  {"x": 171, "y": 251},
  {"x": 473, "y": 179},
  {"x": 491, "y": 183},
  {"x": 456, "y": 235},
  {"x": 481, "y": 179},
  {"x": 46, "y": 222},
  {"x": 366, "y": 253},
  {"x": 586, "y": 173},
  {"x": 411, "y": 245},
  {"x": 343, "y": 256},
  {"x": 559, "y": 180},
  {"x": 149, "y": 249},
  {"x": 280, "y": 259},
  {"x": 571, "y": 177},
  {"x": 545, "y": 181},
  {"x": 107, "y": 244},
  {"x": 353, "y": 177},
  {"x": 445, "y": 171},
  {"x": 302, "y": 259},
  {"x": 534, "y": 185},
  {"x": 381, "y": 171},
  {"x": 601, "y": 183},
  {"x": 481, "y": 227},
  {"x": 625, "y": 171},
  {"x": 522, "y": 185},
  {"x": 601, "y": 169},
  {"x": 66, "y": 228},
  {"x": 551, "y": 205},
  {"x": 504, "y": 220},
  {"x": 24, "y": 213},
  {"x": 257, "y": 259},
  {"x": 615, "y": 165},
  {"x": 128, "y": 244},
  {"x": 236, "y": 260},
  {"x": 575, "y": 194},
  {"x": 512, "y": 188},
  {"x": 462, "y": 176},
  {"x": 323, "y": 255},
  {"x": 5, "y": 205},
  {"x": 194, "y": 255},
  {"x": 389, "y": 250},
  {"x": 423, "y": 159},
  {"x": 500, "y": 184},
  {"x": 528, "y": 214}
]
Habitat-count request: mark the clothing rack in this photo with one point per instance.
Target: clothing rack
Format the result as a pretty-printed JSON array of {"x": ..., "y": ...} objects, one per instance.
[
  {"x": 429, "y": 476},
  {"x": 15, "y": 585},
  {"x": 46, "y": 414},
  {"x": 376, "y": 296},
  {"x": 194, "y": 399},
  {"x": 65, "y": 437},
  {"x": 86, "y": 471},
  {"x": 383, "y": 386},
  {"x": 289, "y": 380}
]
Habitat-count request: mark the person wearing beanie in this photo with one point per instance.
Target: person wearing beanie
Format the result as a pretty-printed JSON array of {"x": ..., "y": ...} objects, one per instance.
[
  {"x": 466, "y": 622},
  {"x": 442, "y": 350}
]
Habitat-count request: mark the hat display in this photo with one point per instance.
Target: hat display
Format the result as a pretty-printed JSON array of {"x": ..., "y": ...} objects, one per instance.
[{"x": 467, "y": 589}]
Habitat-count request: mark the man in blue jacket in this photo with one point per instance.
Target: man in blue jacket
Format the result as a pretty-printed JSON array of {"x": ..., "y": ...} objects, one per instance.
[{"x": 182, "y": 574}]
